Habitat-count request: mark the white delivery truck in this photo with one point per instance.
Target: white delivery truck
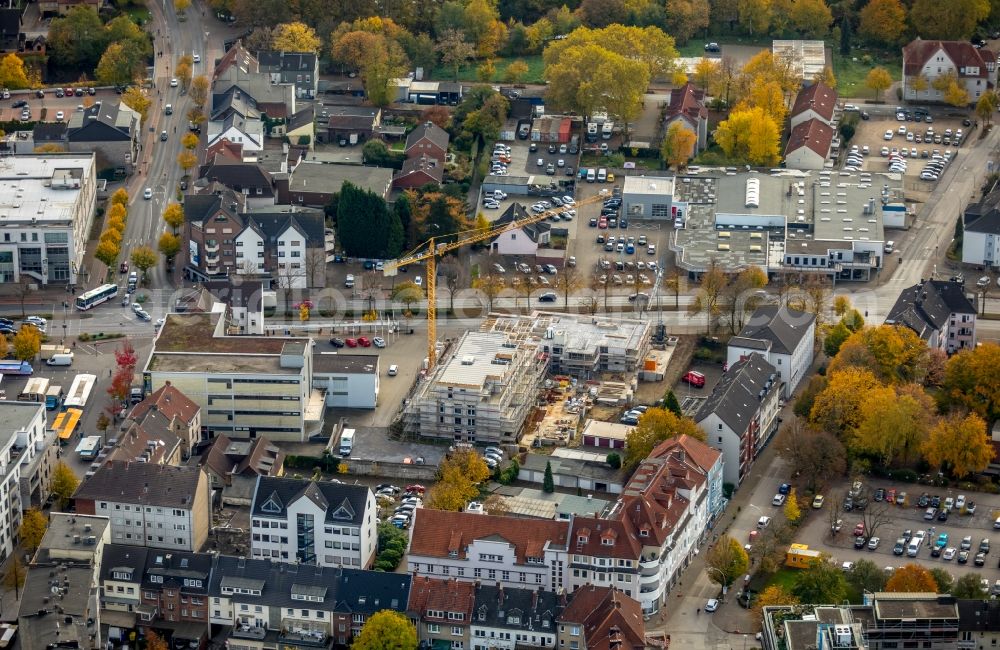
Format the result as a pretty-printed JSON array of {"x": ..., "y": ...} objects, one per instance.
[
  {"x": 346, "y": 442},
  {"x": 60, "y": 359}
]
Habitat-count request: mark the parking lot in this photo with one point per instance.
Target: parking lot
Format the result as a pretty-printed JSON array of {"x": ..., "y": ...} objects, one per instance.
[
  {"x": 916, "y": 142},
  {"x": 45, "y": 108}
]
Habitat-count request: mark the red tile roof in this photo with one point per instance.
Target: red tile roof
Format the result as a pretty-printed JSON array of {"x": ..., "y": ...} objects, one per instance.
[
  {"x": 441, "y": 596},
  {"x": 700, "y": 454},
  {"x": 813, "y": 134},
  {"x": 437, "y": 533},
  {"x": 962, "y": 53},
  {"x": 687, "y": 102},
  {"x": 606, "y": 615},
  {"x": 818, "y": 97},
  {"x": 168, "y": 401}
]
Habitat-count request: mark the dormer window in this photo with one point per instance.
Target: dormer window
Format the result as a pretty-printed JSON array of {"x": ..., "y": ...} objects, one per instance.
[
  {"x": 582, "y": 539},
  {"x": 644, "y": 532},
  {"x": 271, "y": 505},
  {"x": 608, "y": 541},
  {"x": 513, "y": 619}
]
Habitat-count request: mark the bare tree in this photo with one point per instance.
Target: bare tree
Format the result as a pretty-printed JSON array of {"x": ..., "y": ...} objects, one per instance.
[
  {"x": 833, "y": 512},
  {"x": 371, "y": 288},
  {"x": 523, "y": 288},
  {"x": 706, "y": 301},
  {"x": 568, "y": 281},
  {"x": 672, "y": 281},
  {"x": 490, "y": 285},
  {"x": 314, "y": 266},
  {"x": 874, "y": 517},
  {"x": 769, "y": 548},
  {"x": 451, "y": 271},
  {"x": 817, "y": 456}
]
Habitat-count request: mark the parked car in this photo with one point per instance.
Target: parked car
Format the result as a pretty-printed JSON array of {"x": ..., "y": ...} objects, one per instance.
[
  {"x": 337, "y": 342},
  {"x": 694, "y": 378}
]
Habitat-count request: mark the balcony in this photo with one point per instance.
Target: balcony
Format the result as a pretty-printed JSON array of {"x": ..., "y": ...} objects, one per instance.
[
  {"x": 212, "y": 248},
  {"x": 304, "y": 637},
  {"x": 249, "y": 631},
  {"x": 211, "y": 259}
]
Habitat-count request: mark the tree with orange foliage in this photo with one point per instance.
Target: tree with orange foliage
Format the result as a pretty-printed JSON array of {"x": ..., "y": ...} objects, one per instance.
[{"x": 911, "y": 578}]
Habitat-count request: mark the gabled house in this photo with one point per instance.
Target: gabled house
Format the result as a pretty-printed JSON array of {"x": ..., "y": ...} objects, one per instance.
[
  {"x": 351, "y": 124},
  {"x": 299, "y": 69},
  {"x": 442, "y": 611},
  {"x": 975, "y": 69},
  {"x": 501, "y": 550},
  {"x": 109, "y": 129},
  {"x": 301, "y": 128},
  {"x": 784, "y": 337},
  {"x": 313, "y": 522},
  {"x": 247, "y": 132},
  {"x": 428, "y": 139},
  {"x": 524, "y": 617},
  {"x": 168, "y": 411},
  {"x": 234, "y": 102},
  {"x": 11, "y": 36},
  {"x": 524, "y": 240},
  {"x": 981, "y": 231},
  {"x": 741, "y": 414},
  {"x": 206, "y": 218},
  {"x": 603, "y": 618},
  {"x": 687, "y": 107},
  {"x": 417, "y": 172},
  {"x": 244, "y": 177},
  {"x": 240, "y": 69},
  {"x": 233, "y": 465},
  {"x": 815, "y": 102},
  {"x": 808, "y": 144},
  {"x": 939, "y": 312},
  {"x": 292, "y": 244}
]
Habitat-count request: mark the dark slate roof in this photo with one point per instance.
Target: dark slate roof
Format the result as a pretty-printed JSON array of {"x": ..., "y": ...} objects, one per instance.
[
  {"x": 243, "y": 456},
  {"x": 199, "y": 207},
  {"x": 119, "y": 557},
  {"x": 48, "y": 132},
  {"x": 177, "y": 566},
  {"x": 516, "y": 211},
  {"x": 234, "y": 100},
  {"x": 432, "y": 167},
  {"x": 783, "y": 327},
  {"x": 342, "y": 503},
  {"x": 309, "y": 221},
  {"x": 351, "y": 117},
  {"x": 142, "y": 483},
  {"x": 978, "y": 615},
  {"x": 926, "y": 308},
  {"x": 236, "y": 174},
  {"x": 10, "y": 22},
  {"x": 99, "y": 123},
  {"x": 984, "y": 216},
  {"x": 339, "y": 588},
  {"x": 432, "y": 132},
  {"x": 737, "y": 395},
  {"x": 494, "y": 606},
  {"x": 287, "y": 61},
  {"x": 301, "y": 118}
]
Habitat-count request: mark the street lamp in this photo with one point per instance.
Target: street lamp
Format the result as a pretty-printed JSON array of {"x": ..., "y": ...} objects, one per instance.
[{"x": 725, "y": 588}]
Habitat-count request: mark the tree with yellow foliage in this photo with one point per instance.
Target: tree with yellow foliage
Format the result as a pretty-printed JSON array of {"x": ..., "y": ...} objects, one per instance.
[
  {"x": 826, "y": 77},
  {"x": 960, "y": 444},
  {"x": 27, "y": 342},
  {"x": 750, "y": 136},
  {"x": 883, "y": 22},
  {"x": 792, "y": 510},
  {"x": 136, "y": 99},
  {"x": 956, "y": 94},
  {"x": 295, "y": 37},
  {"x": 894, "y": 422},
  {"x": 837, "y": 408},
  {"x": 459, "y": 476},
  {"x": 655, "y": 426},
  {"x": 515, "y": 72},
  {"x": 173, "y": 214},
  {"x": 186, "y": 160},
  {"x": 878, "y": 80},
  {"x": 895, "y": 354},
  {"x": 33, "y": 526},
  {"x": 678, "y": 145},
  {"x": 706, "y": 71},
  {"x": 911, "y": 578},
  {"x": 772, "y": 596},
  {"x": 120, "y": 197},
  {"x": 12, "y": 73},
  {"x": 972, "y": 381}
]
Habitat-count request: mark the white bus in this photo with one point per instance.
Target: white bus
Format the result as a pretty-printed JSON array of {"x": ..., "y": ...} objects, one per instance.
[
  {"x": 96, "y": 296},
  {"x": 79, "y": 392}
]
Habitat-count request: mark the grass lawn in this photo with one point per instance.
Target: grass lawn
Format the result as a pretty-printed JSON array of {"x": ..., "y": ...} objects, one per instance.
[
  {"x": 696, "y": 46},
  {"x": 785, "y": 578},
  {"x": 851, "y": 71},
  {"x": 139, "y": 15},
  {"x": 468, "y": 71}
]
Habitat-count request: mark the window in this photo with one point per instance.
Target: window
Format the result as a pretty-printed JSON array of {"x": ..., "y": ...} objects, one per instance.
[
  {"x": 433, "y": 628},
  {"x": 456, "y": 630}
]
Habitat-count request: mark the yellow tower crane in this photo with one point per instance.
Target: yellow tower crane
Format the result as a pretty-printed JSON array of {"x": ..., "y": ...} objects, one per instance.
[{"x": 430, "y": 250}]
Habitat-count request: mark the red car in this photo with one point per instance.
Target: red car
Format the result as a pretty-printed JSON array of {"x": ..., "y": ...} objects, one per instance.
[
  {"x": 364, "y": 342},
  {"x": 351, "y": 343},
  {"x": 602, "y": 224},
  {"x": 123, "y": 269},
  {"x": 694, "y": 378},
  {"x": 891, "y": 496},
  {"x": 419, "y": 489},
  {"x": 859, "y": 530}
]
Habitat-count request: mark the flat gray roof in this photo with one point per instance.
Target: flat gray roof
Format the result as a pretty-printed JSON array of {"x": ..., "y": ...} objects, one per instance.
[
  {"x": 16, "y": 416},
  {"x": 234, "y": 364},
  {"x": 320, "y": 177},
  {"x": 334, "y": 362}
]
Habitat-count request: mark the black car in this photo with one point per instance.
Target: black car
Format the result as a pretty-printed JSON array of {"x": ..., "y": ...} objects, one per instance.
[
  {"x": 6, "y": 322},
  {"x": 966, "y": 122},
  {"x": 59, "y": 93},
  {"x": 712, "y": 47},
  {"x": 879, "y": 494},
  {"x": 91, "y": 91},
  {"x": 898, "y": 549},
  {"x": 924, "y": 500},
  {"x": 859, "y": 542},
  {"x": 984, "y": 546},
  {"x": 78, "y": 92},
  {"x": 593, "y": 222},
  {"x": 865, "y": 115},
  {"x": 336, "y": 342},
  {"x": 19, "y": 103},
  {"x": 623, "y": 223},
  {"x": 980, "y": 559},
  {"x": 963, "y": 557},
  {"x": 7, "y": 331},
  {"x": 552, "y": 148},
  {"x": 548, "y": 297},
  {"x": 533, "y": 147},
  {"x": 39, "y": 93},
  {"x": 936, "y": 551},
  {"x": 943, "y": 515},
  {"x": 935, "y": 501}
]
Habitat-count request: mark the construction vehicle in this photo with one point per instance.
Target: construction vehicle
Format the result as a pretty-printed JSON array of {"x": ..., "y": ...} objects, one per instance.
[{"x": 430, "y": 250}]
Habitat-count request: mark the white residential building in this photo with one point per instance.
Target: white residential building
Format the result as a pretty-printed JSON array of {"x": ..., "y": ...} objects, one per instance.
[
  {"x": 34, "y": 448},
  {"x": 47, "y": 204},
  {"x": 784, "y": 337},
  {"x": 10, "y": 485},
  {"x": 512, "y": 552},
  {"x": 939, "y": 312},
  {"x": 643, "y": 544},
  {"x": 981, "y": 234},
  {"x": 974, "y": 68},
  {"x": 741, "y": 414},
  {"x": 329, "y": 524}
]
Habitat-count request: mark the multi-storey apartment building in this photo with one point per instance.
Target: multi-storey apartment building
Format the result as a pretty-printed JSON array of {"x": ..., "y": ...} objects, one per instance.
[
  {"x": 313, "y": 522},
  {"x": 149, "y": 504},
  {"x": 34, "y": 448},
  {"x": 528, "y": 553}
]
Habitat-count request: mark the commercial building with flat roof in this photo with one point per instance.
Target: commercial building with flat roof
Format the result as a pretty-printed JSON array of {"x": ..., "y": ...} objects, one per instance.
[
  {"x": 46, "y": 213},
  {"x": 824, "y": 222},
  {"x": 350, "y": 380},
  {"x": 245, "y": 385},
  {"x": 483, "y": 392}
]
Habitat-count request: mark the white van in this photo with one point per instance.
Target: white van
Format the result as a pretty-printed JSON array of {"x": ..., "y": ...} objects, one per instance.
[
  {"x": 602, "y": 175},
  {"x": 889, "y": 246},
  {"x": 60, "y": 360},
  {"x": 346, "y": 442},
  {"x": 591, "y": 176},
  {"x": 914, "y": 547}
]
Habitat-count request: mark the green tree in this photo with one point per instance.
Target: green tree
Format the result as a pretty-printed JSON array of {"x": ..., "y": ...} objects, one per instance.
[
  {"x": 77, "y": 39},
  {"x": 120, "y": 64},
  {"x": 363, "y": 224},
  {"x": 548, "y": 483},
  {"x": 726, "y": 561},
  {"x": 835, "y": 338},
  {"x": 945, "y": 582},
  {"x": 878, "y": 80},
  {"x": 386, "y": 630},
  {"x": 969, "y": 587},
  {"x": 865, "y": 575},
  {"x": 144, "y": 258},
  {"x": 33, "y": 526},
  {"x": 64, "y": 483},
  {"x": 820, "y": 583},
  {"x": 454, "y": 50},
  {"x": 671, "y": 404}
]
